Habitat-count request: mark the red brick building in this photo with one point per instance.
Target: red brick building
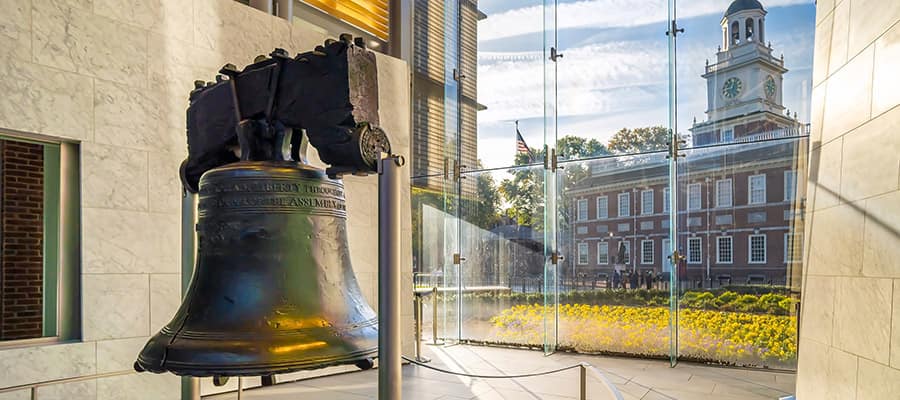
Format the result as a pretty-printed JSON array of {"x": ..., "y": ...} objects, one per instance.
[{"x": 740, "y": 201}]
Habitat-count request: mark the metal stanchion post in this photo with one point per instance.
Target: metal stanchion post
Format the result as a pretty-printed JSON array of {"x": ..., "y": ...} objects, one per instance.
[
  {"x": 389, "y": 361},
  {"x": 418, "y": 301},
  {"x": 434, "y": 317},
  {"x": 583, "y": 372},
  {"x": 190, "y": 387}
]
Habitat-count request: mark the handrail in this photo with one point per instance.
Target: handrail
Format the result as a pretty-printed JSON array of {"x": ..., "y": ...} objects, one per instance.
[
  {"x": 35, "y": 385},
  {"x": 583, "y": 366}
]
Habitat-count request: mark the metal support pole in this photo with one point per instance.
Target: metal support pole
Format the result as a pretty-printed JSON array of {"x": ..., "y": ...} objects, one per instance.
[
  {"x": 583, "y": 381},
  {"x": 419, "y": 301},
  {"x": 434, "y": 317},
  {"x": 190, "y": 387},
  {"x": 389, "y": 361}
]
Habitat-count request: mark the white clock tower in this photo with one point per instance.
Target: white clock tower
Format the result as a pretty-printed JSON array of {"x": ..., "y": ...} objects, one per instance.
[{"x": 744, "y": 85}]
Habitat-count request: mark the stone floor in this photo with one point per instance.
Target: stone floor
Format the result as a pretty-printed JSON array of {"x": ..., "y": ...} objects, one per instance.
[{"x": 634, "y": 378}]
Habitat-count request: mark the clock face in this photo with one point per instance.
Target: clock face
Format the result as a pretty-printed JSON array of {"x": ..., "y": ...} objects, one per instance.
[
  {"x": 732, "y": 88},
  {"x": 770, "y": 87}
]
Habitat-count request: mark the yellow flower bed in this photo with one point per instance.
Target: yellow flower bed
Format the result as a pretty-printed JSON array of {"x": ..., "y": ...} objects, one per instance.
[{"x": 738, "y": 338}]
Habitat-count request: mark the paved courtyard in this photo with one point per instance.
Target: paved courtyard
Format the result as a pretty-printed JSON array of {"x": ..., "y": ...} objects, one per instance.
[{"x": 634, "y": 378}]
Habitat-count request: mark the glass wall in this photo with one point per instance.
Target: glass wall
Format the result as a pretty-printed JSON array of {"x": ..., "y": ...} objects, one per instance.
[{"x": 569, "y": 132}]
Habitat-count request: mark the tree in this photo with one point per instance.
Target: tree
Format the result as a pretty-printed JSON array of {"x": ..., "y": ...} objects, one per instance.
[{"x": 639, "y": 140}]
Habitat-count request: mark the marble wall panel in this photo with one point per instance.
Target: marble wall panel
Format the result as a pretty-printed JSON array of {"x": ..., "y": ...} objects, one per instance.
[
  {"x": 877, "y": 381},
  {"x": 167, "y": 17},
  {"x": 15, "y": 29},
  {"x": 837, "y": 251},
  {"x": 115, "y": 306},
  {"x": 881, "y": 256},
  {"x": 130, "y": 118},
  {"x": 869, "y": 20},
  {"x": 114, "y": 177},
  {"x": 45, "y": 100},
  {"x": 165, "y": 184},
  {"x": 895, "y": 327},
  {"x": 17, "y": 395},
  {"x": 84, "y": 390},
  {"x": 866, "y": 169},
  {"x": 831, "y": 373},
  {"x": 118, "y": 355},
  {"x": 823, "y": 9},
  {"x": 849, "y": 100},
  {"x": 840, "y": 33},
  {"x": 825, "y": 174},
  {"x": 885, "y": 85},
  {"x": 862, "y": 317},
  {"x": 76, "y": 40},
  {"x": 237, "y": 32},
  {"x": 145, "y": 386},
  {"x": 116, "y": 241},
  {"x": 818, "y": 308},
  {"x": 38, "y": 363},
  {"x": 822, "y": 50},
  {"x": 165, "y": 297}
]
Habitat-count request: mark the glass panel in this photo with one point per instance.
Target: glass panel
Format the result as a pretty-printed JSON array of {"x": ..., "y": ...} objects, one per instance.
[
  {"x": 744, "y": 83},
  {"x": 615, "y": 297},
  {"x": 29, "y": 217},
  {"x": 551, "y": 192},
  {"x": 740, "y": 280},
  {"x": 502, "y": 240}
]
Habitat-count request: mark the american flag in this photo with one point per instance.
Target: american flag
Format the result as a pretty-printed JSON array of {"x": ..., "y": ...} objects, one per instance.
[{"x": 521, "y": 147}]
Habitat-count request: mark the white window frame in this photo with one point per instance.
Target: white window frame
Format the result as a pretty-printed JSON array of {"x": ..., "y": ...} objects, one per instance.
[
  {"x": 644, "y": 251},
  {"x": 729, "y": 137},
  {"x": 750, "y": 249},
  {"x": 666, "y": 199},
  {"x": 603, "y": 212},
  {"x": 699, "y": 193},
  {"x": 582, "y": 207},
  {"x": 583, "y": 245},
  {"x": 719, "y": 249},
  {"x": 664, "y": 255},
  {"x": 626, "y": 204},
  {"x": 730, "y": 184},
  {"x": 647, "y": 209},
  {"x": 600, "y": 260},
  {"x": 790, "y": 185},
  {"x": 690, "y": 253},
  {"x": 750, "y": 189}
]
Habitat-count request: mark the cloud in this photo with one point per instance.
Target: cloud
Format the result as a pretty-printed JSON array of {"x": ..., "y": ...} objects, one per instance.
[{"x": 601, "y": 14}]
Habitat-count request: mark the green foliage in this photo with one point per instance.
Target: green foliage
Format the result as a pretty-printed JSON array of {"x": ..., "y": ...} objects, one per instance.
[{"x": 637, "y": 140}]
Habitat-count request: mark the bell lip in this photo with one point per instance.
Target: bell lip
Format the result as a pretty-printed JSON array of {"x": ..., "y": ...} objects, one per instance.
[{"x": 206, "y": 370}]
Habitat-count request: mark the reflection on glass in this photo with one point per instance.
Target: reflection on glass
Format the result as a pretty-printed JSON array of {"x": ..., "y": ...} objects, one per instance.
[{"x": 740, "y": 279}]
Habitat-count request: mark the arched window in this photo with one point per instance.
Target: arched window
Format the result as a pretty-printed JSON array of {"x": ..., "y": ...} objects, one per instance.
[
  {"x": 735, "y": 33},
  {"x": 749, "y": 28}
]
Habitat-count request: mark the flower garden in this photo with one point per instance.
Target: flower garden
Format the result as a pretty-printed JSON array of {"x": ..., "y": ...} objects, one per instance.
[{"x": 750, "y": 330}]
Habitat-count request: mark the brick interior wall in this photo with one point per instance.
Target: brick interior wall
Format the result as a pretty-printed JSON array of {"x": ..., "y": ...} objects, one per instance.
[{"x": 22, "y": 219}]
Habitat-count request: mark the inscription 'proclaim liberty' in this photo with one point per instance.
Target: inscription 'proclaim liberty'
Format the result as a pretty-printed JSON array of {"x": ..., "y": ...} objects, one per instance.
[{"x": 273, "y": 197}]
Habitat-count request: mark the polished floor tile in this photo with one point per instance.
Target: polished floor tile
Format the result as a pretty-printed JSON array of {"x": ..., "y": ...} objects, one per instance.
[{"x": 634, "y": 379}]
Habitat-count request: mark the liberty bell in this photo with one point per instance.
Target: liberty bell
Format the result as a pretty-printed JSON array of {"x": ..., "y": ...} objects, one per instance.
[{"x": 273, "y": 289}]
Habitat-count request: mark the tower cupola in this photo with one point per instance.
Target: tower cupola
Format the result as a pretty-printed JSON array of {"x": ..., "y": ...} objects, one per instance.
[{"x": 743, "y": 23}]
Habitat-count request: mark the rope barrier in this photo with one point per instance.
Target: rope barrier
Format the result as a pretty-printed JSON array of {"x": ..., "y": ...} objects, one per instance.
[{"x": 413, "y": 361}]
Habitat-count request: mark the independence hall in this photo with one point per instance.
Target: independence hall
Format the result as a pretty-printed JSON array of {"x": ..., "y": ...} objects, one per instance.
[{"x": 740, "y": 193}]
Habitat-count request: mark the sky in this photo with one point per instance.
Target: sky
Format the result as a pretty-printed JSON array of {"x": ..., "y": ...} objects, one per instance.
[{"x": 614, "y": 70}]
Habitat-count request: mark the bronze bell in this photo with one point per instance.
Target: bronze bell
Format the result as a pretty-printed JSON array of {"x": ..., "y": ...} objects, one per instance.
[{"x": 273, "y": 289}]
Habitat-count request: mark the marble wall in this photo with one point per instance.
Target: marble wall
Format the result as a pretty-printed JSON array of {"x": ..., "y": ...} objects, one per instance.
[
  {"x": 114, "y": 76},
  {"x": 850, "y": 321}
]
